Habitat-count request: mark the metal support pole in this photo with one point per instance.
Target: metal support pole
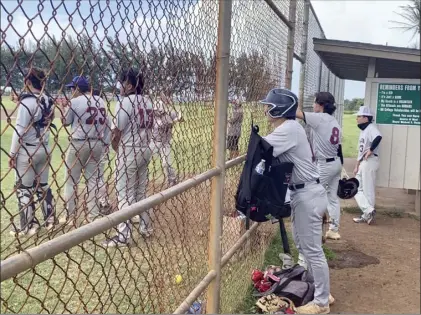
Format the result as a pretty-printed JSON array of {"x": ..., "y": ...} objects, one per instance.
[
  {"x": 290, "y": 47},
  {"x": 218, "y": 156},
  {"x": 275, "y": 9},
  {"x": 303, "y": 54},
  {"x": 320, "y": 76}
]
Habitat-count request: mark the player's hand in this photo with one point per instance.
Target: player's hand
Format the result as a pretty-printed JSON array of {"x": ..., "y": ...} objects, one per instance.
[
  {"x": 355, "y": 170},
  {"x": 12, "y": 161},
  {"x": 367, "y": 155}
]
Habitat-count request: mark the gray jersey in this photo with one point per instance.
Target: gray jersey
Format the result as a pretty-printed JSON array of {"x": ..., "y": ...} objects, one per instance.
[
  {"x": 87, "y": 116},
  {"x": 366, "y": 139},
  {"x": 290, "y": 144},
  {"x": 325, "y": 134},
  {"x": 27, "y": 128},
  {"x": 235, "y": 123},
  {"x": 163, "y": 125},
  {"x": 134, "y": 119}
]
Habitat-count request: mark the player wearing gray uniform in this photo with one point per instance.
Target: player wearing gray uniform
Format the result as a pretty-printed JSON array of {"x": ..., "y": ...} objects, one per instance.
[
  {"x": 164, "y": 120},
  {"x": 30, "y": 154},
  {"x": 308, "y": 197},
  {"x": 103, "y": 194},
  {"x": 86, "y": 116},
  {"x": 234, "y": 128},
  {"x": 325, "y": 135},
  {"x": 131, "y": 137},
  {"x": 367, "y": 165}
]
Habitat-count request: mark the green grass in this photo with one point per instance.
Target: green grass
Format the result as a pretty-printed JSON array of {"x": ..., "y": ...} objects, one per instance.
[
  {"x": 90, "y": 279},
  {"x": 350, "y": 136}
]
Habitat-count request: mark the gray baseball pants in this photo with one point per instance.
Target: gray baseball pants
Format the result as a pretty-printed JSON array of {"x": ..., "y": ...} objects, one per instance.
[
  {"x": 132, "y": 180},
  {"x": 330, "y": 173},
  {"x": 164, "y": 151},
  {"x": 32, "y": 168},
  {"x": 366, "y": 196},
  {"x": 308, "y": 206},
  {"x": 83, "y": 155},
  {"x": 102, "y": 187}
]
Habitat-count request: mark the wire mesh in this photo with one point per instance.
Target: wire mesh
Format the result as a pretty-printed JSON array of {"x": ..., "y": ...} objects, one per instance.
[
  {"x": 258, "y": 45},
  {"x": 164, "y": 137},
  {"x": 299, "y": 27},
  {"x": 317, "y": 76},
  {"x": 138, "y": 119},
  {"x": 313, "y": 63}
]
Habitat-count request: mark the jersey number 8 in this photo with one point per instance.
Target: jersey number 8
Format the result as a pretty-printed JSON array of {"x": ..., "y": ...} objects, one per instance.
[{"x": 334, "y": 138}]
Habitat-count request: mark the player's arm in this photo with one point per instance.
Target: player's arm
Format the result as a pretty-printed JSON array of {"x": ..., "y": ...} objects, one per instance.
[
  {"x": 23, "y": 120},
  {"x": 281, "y": 141},
  {"x": 312, "y": 119},
  {"x": 340, "y": 154},
  {"x": 121, "y": 120},
  {"x": 300, "y": 114},
  {"x": 69, "y": 114},
  {"x": 107, "y": 131},
  {"x": 177, "y": 117},
  {"x": 375, "y": 141}
]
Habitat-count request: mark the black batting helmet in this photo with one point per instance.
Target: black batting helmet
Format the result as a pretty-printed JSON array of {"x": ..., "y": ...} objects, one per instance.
[
  {"x": 283, "y": 103},
  {"x": 348, "y": 188}
]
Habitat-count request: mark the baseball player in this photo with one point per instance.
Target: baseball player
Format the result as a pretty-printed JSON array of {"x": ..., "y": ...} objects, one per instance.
[
  {"x": 87, "y": 117},
  {"x": 30, "y": 154},
  {"x": 234, "y": 128},
  {"x": 367, "y": 165},
  {"x": 325, "y": 136},
  {"x": 164, "y": 120},
  {"x": 103, "y": 194},
  {"x": 130, "y": 139},
  {"x": 308, "y": 196}
]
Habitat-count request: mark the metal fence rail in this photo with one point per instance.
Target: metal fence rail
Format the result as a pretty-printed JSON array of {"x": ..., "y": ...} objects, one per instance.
[{"x": 72, "y": 189}]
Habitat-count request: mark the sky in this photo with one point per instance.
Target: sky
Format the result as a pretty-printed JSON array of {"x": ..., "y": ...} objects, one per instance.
[
  {"x": 362, "y": 21},
  {"x": 359, "y": 21}
]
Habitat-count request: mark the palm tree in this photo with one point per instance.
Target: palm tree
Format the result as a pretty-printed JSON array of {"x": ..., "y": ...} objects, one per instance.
[{"x": 411, "y": 15}]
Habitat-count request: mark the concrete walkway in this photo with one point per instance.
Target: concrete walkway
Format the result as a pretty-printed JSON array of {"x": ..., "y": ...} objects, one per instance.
[{"x": 387, "y": 199}]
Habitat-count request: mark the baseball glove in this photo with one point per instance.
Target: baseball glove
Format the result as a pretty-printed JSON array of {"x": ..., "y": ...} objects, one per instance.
[{"x": 273, "y": 304}]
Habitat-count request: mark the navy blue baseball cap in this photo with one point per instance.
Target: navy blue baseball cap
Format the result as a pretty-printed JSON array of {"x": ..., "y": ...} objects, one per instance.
[{"x": 78, "y": 81}]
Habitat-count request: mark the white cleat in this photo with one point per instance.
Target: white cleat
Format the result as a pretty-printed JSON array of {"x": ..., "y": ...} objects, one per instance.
[{"x": 333, "y": 235}]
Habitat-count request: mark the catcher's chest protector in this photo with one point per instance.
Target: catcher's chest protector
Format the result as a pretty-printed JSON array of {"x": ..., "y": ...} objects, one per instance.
[{"x": 261, "y": 197}]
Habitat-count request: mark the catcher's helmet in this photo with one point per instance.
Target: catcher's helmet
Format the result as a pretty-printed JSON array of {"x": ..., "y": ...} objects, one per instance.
[
  {"x": 283, "y": 103},
  {"x": 348, "y": 188}
]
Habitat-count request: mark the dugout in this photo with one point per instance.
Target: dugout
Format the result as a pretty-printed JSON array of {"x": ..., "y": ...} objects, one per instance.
[{"x": 392, "y": 91}]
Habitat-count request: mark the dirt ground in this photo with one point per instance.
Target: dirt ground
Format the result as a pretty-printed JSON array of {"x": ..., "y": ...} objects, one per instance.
[{"x": 375, "y": 265}]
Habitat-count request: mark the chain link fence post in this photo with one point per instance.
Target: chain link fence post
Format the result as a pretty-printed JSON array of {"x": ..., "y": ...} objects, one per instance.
[
  {"x": 291, "y": 38},
  {"x": 303, "y": 54},
  {"x": 218, "y": 154}
]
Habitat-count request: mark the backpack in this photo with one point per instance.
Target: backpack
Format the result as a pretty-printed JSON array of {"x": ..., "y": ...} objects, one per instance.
[
  {"x": 295, "y": 283},
  {"x": 47, "y": 111},
  {"x": 261, "y": 197}
]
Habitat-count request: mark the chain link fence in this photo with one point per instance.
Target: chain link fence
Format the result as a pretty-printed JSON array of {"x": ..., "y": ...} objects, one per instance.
[
  {"x": 107, "y": 125},
  {"x": 317, "y": 76}
]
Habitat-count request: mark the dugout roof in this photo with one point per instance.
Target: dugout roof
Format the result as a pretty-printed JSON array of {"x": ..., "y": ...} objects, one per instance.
[{"x": 350, "y": 60}]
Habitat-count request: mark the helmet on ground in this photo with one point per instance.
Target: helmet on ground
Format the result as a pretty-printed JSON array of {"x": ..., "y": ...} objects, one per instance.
[
  {"x": 348, "y": 188},
  {"x": 283, "y": 103}
]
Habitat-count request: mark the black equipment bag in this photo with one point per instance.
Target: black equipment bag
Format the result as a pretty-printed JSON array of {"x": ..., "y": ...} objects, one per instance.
[{"x": 262, "y": 197}]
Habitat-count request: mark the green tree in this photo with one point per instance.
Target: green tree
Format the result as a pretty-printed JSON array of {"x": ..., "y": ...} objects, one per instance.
[{"x": 354, "y": 104}]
